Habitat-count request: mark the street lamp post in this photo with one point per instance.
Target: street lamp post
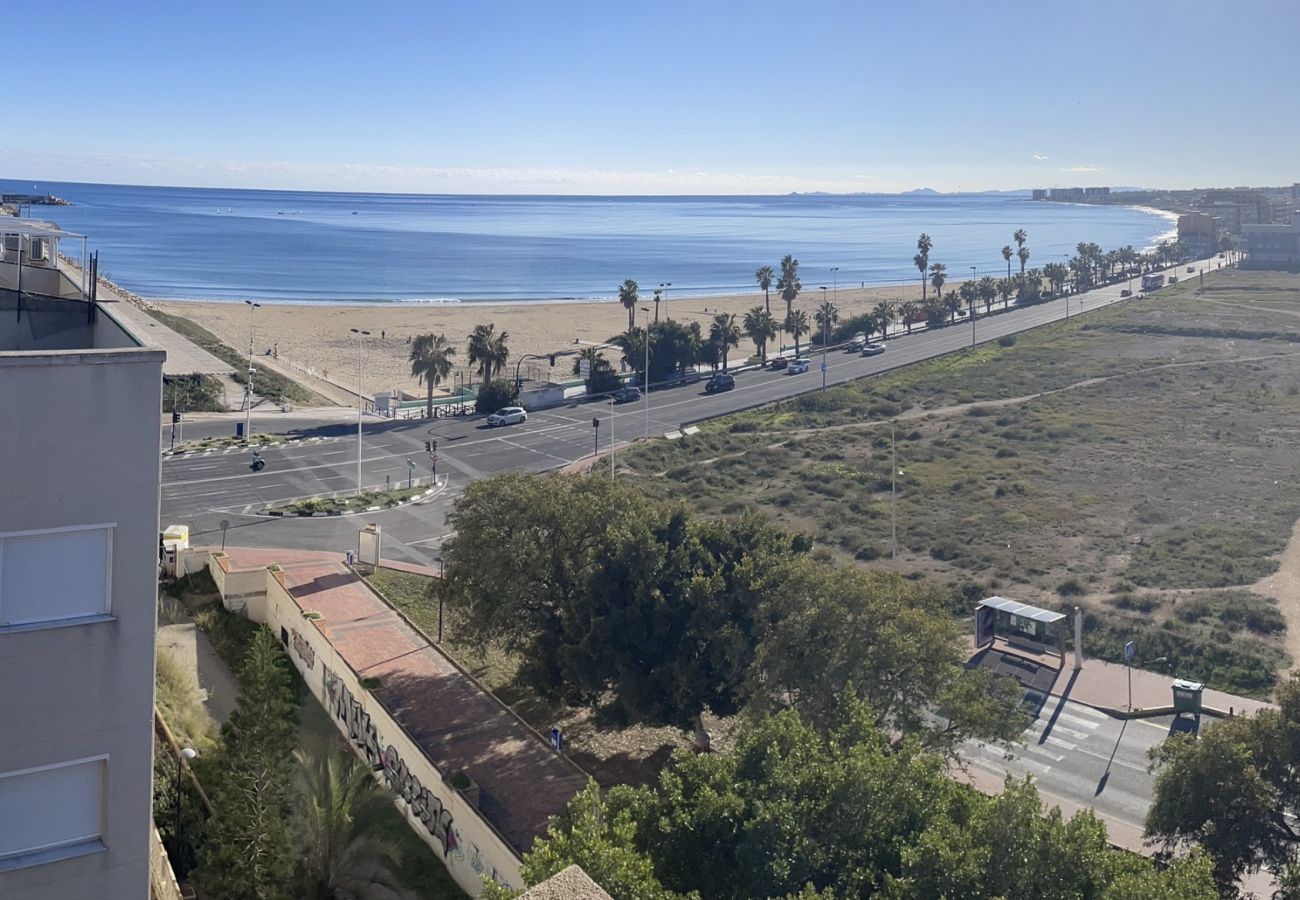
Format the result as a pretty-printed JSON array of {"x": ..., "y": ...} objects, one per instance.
[
  {"x": 664, "y": 286},
  {"x": 893, "y": 491},
  {"x": 611, "y": 438},
  {"x": 248, "y": 387},
  {"x": 360, "y": 333},
  {"x": 646, "y": 372},
  {"x": 972, "y": 308},
  {"x": 186, "y": 753},
  {"x": 441, "y": 592},
  {"x": 826, "y": 322}
]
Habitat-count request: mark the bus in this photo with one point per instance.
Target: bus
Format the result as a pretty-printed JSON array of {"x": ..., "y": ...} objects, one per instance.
[{"x": 1153, "y": 282}]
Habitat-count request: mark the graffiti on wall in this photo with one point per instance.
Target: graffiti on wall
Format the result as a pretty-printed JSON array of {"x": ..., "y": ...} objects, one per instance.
[
  {"x": 361, "y": 731},
  {"x": 306, "y": 652}
]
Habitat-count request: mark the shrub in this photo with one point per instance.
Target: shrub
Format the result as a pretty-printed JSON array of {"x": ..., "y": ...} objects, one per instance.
[
  {"x": 1071, "y": 587},
  {"x": 495, "y": 395},
  {"x": 1007, "y": 340}
]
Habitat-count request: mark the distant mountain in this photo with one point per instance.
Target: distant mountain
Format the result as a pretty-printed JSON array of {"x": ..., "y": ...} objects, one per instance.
[{"x": 925, "y": 192}]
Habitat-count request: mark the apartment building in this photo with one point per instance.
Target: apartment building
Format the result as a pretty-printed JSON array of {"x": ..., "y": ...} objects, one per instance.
[{"x": 80, "y": 400}]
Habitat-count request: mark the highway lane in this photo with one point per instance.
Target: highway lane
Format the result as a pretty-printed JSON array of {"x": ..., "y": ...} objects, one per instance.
[{"x": 200, "y": 490}]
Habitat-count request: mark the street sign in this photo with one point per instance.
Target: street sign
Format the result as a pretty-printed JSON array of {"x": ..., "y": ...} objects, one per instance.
[
  {"x": 584, "y": 368},
  {"x": 824, "y": 367},
  {"x": 1128, "y": 652}
]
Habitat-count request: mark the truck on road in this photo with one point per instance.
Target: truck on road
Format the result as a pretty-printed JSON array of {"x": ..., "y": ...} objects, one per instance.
[{"x": 1153, "y": 282}]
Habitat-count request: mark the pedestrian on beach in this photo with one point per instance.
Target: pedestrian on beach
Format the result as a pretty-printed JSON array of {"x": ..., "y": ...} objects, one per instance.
[{"x": 383, "y": 335}]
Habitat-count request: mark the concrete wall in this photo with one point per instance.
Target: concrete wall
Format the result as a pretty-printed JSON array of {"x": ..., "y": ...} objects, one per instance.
[
  {"x": 435, "y": 810},
  {"x": 241, "y": 592},
  {"x": 80, "y": 445}
]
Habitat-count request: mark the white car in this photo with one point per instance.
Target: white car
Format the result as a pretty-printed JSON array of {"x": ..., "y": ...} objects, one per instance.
[
  {"x": 511, "y": 415},
  {"x": 797, "y": 367},
  {"x": 873, "y": 349}
]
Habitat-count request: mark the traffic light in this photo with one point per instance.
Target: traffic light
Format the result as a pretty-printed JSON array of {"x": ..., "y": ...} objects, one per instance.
[
  {"x": 428, "y": 447},
  {"x": 433, "y": 447},
  {"x": 595, "y": 423},
  {"x": 176, "y": 417}
]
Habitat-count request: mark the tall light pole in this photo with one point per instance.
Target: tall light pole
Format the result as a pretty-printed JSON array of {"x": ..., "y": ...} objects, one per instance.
[
  {"x": 835, "y": 284},
  {"x": 360, "y": 333},
  {"x": 248, "y": 387},
  {"x": 972, "y": 308},
  {"x": 826, "y": 322},
  {"x": 1066, "y": 257},
  {"x": 611, "y": 438},
  {"x": 893, "y": 491},
  {"x": 664, "y": 286},
  {"x": 646, "y": 379}
]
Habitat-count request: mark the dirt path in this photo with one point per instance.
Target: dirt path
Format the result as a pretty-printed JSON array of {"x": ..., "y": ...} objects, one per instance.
[{"x": 1284, "y": 586}]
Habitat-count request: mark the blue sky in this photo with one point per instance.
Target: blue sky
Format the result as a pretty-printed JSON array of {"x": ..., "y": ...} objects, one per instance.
[{"x": 489, "y": 96}]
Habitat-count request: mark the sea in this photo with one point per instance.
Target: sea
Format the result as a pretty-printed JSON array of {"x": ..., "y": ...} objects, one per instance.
[{"x": 298, "y": 246}]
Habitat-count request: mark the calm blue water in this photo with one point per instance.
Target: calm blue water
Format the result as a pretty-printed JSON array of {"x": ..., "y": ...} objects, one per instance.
[{"x": 292, "y": 245}]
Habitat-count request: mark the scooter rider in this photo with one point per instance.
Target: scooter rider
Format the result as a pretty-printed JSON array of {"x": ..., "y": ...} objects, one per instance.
[{"x": 258, "y": 462}]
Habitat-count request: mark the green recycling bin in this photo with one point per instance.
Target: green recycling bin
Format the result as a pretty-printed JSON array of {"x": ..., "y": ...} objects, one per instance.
[{"x": 1187, "y": 697}]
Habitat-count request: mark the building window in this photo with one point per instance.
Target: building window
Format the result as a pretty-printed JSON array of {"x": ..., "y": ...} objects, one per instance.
[
  {"x": 51, "y": 813},
  {"x": 57, "y": 575}
]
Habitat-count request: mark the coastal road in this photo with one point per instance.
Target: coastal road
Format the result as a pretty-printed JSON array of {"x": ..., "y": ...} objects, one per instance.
[
  {"x": 1081, "y": 758},
  {"x": 203, "y": 490}
]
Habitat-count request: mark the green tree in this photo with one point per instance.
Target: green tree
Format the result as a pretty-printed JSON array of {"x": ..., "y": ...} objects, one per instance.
[
  {"x": 882, "y": 316},
  {"x": 938, "y": 275},
  {"x": 1234, "y": 790},
  {"x": 1007, "y": 253},
  {"x": 724, "y": 334},
  {"x": 826, "y": 316},
  {"x": 797, "y": 325},
  {"x": 788, "y": 284},
  {"x": 339, "y": 804},
  {"x": 632, "y": 344},
  {"x": 627, "y": 295},
  {"x": 430, "y": 363},
  {"x": 1023, "y": 255},
  {"x": 760, "y": 327},
  {"x": 496, "y": 394},
  {"x": 988, "y": 291},
  {"x": 831, "y": 628},
  {"x": 922, "y": 259},
  {"x": 488, "y": 350},
  {"x": 764, "y": 277},
  {"x": 907, "y": 312},
  {"x": 968, "y": 293},
  {"x": 246, "y": 852}
]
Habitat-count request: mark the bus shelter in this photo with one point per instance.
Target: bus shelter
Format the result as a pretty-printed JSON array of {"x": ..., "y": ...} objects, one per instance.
[{"x": 1019, "y": 623}]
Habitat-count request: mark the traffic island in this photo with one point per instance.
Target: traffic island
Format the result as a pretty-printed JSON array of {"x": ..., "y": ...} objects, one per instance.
[
  {"x": 224, "y": 443},
  {"x": 351, "y": 504}
]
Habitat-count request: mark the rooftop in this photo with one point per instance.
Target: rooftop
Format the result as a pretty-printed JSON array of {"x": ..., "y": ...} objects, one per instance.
[{"x": 36, "y": 323}]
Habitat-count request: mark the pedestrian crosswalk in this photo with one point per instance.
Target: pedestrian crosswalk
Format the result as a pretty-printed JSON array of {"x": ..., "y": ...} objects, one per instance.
[{"x": 1046, "y": 742}]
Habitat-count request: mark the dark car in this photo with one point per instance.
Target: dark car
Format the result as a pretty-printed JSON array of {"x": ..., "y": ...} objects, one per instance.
[
  {"x": 719, "y": 383},
  {"x": 627, "y": 395},
  {"x": 778, "y": 363}
]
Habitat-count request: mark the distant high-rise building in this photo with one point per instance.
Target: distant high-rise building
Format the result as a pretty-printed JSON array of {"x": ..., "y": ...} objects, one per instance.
[
  {"x": 78, "y": 582},
  {"x": 1096, "y": 192},
  {"x": 1295, "y": 191},
  {"x": 1040, "y": 194}
]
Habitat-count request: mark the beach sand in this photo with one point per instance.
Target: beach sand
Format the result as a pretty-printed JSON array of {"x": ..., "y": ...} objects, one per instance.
[{"x": 314, "y": 339}]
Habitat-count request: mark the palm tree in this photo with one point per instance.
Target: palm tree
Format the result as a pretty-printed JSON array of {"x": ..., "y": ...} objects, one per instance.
[
  {"x": 632, "y": 345},
  {"x": 658, "y": 298},
  {"x": 969, "y": 294},
  {"x": 627, "y": 296},
  {"x": 797, "y": 324},
  {"x": 761, "y": 328},
  {"x": 827, "y": 315},
  {"x": 987, "y": 291},
  {"x": 789, "y": 284},
  {"x": 724, "y": 334},
  {"x": 488, "y": 350},
  {"x": 938, "y": 275},
  {"x": 1023, "y": 255},
  {"x": 922, "y": 259},
  {"x": 881, "y": 316},
  {"x": 1006, "y": 287},
  {"x": 1007, "y": 253},
  {"x": 907, "y": 312},
  {"x": 592, "y": 357},
  {"x": 431, "y": 362},
  {"x": 341, "y": 805},
  {"x": 1020, "y": 237},
  {"x": 764, "y": 278},
  {"x": 951, "y": 304}
]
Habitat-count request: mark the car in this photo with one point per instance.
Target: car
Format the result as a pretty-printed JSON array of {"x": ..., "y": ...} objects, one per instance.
[
  {"x": 1173, "y": 279},
  {"x": 778, "y": 363},
  {"x": 798, "y": 367},
  {"x": 627, "y": 395},
  {"x": 856, "y": 343},
  {"x": 1191, "y": 270},
  {"x": 510, "y": 415},
  {"x": 719, "y": 383},
  {"x": 1126, "y": 293},
  {"x": 873, "y": 349},
  {"x": 961, "y": 314}
]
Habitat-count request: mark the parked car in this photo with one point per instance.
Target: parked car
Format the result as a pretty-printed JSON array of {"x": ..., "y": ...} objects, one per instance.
[
  {"x": 873, "y": 349},
  {"x": 797, "y": 367},
  {"x": 510, "y": 415},
  {"x": 719, "y": 383},
  {"x": 778, "y": 363},
  {"x": 961, "y": 314},
  {"x": 1191, "y": 270},
  {"x": 857, "y": 342},
  {"x": 627, "y": 395},
  {"x": 1126, "y": 293}
]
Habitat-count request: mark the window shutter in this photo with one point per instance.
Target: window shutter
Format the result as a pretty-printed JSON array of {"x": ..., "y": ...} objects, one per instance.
[
  {"x": 54, "y": 575},
  {"x": 50, "y": 808}
]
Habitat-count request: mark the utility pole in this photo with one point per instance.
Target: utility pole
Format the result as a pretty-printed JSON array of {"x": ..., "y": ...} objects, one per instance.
[
  {"x": 646, "y": 384},
  {"x": 826, "y": 321},
  {"x": 248, "y": 388},
  {"x": 360, "y": 333},
  {"x": 972, "y": 308},
  {"x": 611, "y": 438}
]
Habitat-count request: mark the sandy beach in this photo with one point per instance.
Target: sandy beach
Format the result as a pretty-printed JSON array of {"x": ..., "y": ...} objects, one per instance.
[{"x": 315, "y": 338}]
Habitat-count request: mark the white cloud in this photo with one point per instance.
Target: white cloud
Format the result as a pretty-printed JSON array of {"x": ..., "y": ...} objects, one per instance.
[
  {"x": 1081, "y": 169},
  {"x": 1038, "y": 157}
]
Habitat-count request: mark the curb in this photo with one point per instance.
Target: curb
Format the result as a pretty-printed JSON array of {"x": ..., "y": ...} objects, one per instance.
[
  {"x": 282, "y": 514},
  {"x": 183, "y": 451}
]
